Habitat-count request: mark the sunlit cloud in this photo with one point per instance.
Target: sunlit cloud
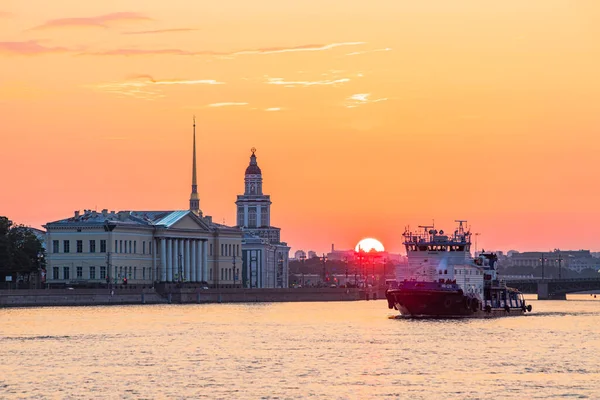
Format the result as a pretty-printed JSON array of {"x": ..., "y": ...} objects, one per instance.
[
  {"x": 145, "y": 86},
  {"x": 227, "y": 104},
  {"x": 281, "y": 81},
  {"x": 308, "y": 47},
  {"x": 361, "y": 98},
  {"x": 180, "y": 52},
  {"x": 356, "y": 53},
  {"x": 158, "y": 31},
  {"x": 101, "y": 21},
  {"x": 28, "y": 48},
  {"x": 273, "y": 109}
]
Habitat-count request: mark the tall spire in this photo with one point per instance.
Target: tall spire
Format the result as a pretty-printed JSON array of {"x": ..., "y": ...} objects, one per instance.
[{"x": 194, "y": 198}]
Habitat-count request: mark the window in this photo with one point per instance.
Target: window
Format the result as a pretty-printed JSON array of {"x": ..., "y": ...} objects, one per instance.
[
  {"x": 66, "y": 246},
  {"x": 92, "y": 246},
  {"x": 134, "y": 272},
  {"x": 143, "y": 272},
  {"x": 121, "y": 246},
  {"x": 129, "y": 272},
  {"x": 222, "y": 252},
  {"x": 79, "y": 272},
  {"x": 130, "y": 248},
  {"x": 252, "y": 217},
  {"x": 144, "y": 247},
  {"x": 222, "y": 274},
  {"x": 80, "y": 246},
  {"x": 240, "y": 216},
  {"x": 264, "y": 216},
  {"x": 115, "y": 274},
  {"x": 211, "y": 250},
  {"x": 55, "y": 273},
  {"x": 210, "y": 274},
  {"x": 102, "y": 272},
  {"x": 92, "y": 272},
  {"x": 135, "y": 246},
  {"x": 66, "y": 273},
  {"x": 103, "y": 246},
  {"x": 229, "y": 251},
  {"x": 126, "y": 246},
  {"x": 55, "y": 246},
  {"x": 150, "y": 247},
  {"x": 121, "y": 271}
]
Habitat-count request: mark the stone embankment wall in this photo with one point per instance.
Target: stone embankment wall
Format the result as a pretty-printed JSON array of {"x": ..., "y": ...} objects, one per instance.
[
  {"x": 77, "y": 297},
  {"x": 175, "y": 295}
]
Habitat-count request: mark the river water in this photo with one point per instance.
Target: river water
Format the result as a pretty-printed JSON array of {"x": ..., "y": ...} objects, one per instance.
[{"x": 329, "y": 350}]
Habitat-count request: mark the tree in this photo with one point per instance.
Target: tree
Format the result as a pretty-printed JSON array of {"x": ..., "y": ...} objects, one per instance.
[{"x": 21, "y": 252}]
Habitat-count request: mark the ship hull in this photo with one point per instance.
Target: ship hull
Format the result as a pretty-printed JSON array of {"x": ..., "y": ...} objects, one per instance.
[{"x": 442, "y": 304}]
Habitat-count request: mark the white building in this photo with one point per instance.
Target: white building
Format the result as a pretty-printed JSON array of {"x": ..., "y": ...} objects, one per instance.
[
  {"x": 264, "y": 256},
  {"x": 143, "y": 247},
  {"x": 300, "y": 255}
]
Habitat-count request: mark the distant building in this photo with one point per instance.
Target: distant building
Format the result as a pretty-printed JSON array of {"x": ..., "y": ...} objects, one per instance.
[
  {"x": 312, "y": 254},
  {"x": 299, "y": 255},
  {"x": 575, "y": 260},
  {"x": 143, "y": 246},
  {"x": 265, "y": 258}
]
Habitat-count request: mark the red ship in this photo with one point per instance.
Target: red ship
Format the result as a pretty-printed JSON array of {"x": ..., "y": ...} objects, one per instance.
[{"x": 442, "y": 280}]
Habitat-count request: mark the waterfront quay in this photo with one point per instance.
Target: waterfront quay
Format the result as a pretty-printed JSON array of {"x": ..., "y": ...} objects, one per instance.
[{"x": 167, "y": 294}]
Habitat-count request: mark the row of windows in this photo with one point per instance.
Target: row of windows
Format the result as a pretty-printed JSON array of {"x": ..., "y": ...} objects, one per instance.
[
  {"x": 228, "y": 249},
  {"x": 78, "y": 246},
  {"x": 121, "y": 246},
  {"x": 119, "y": 272},
  {"x": 414, "y": 247},
  {"x": 78, "y": 273},
  {"x": 227, "y": 274},
  {"x": 130, "y": 246},
  {"x": 252, "y": 216}
]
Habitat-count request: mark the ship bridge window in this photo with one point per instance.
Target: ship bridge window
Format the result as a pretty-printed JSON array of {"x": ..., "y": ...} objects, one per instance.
[
  {"x": 460, "y": 248},
  {"x": 422, "y": 248}
]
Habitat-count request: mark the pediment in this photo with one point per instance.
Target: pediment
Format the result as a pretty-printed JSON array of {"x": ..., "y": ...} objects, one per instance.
[{"x": 190, "y": 222}]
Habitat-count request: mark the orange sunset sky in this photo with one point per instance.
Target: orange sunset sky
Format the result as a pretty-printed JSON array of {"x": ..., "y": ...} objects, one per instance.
[{"x": 368, "y": 116}]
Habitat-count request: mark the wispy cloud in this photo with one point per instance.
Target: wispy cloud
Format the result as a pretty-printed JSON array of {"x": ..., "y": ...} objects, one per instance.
[
  {"x": 227, "y": 104},
  {"x": 101, "y": 21},
  {"x": 307, "y": 47},
  {"x": 361, "y": 98},
  {"x": 273, "y": 109},
  {"x": 180, "y": 52},
  {"x": 356, "y": 53},
  {"x": 28, "y": 48},
  {"x": 158, "y": 31},
  {"x": 145, "y": 86},
  {"x": 281, "y": 81}
]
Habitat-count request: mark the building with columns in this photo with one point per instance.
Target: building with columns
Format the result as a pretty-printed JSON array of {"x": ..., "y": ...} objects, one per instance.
[
  {"x": 265, "y": 258},
  {"x": 144, "y": 247}
]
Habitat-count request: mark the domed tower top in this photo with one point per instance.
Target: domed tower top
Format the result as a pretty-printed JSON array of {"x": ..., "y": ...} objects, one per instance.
[
  {"x": 253, "y": 179},
  {"x": 253, "y": 168}
]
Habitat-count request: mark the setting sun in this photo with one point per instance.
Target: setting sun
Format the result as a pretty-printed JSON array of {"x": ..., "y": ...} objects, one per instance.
[{"x": 369, "y": 244}]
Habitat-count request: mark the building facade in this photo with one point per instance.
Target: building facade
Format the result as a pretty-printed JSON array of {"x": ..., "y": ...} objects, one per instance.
[
  {"x": 265, "y": 258},
  {"x": 143, "y": 247}
]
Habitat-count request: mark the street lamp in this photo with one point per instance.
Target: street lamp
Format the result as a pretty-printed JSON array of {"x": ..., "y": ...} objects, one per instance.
[
  {"x": 542, "y": 259},
  {"x": 234, "y": 272},
  {"x": 302, "y": 258},
  {"x": 346, "y": 263},
  {"x": 324, "y": 260}
]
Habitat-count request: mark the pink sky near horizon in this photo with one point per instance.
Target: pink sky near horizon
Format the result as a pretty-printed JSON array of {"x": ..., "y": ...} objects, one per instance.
[{"x": 367, "y": 117}]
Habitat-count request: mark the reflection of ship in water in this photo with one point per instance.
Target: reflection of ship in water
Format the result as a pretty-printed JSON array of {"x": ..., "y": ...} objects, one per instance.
[{"x": 441, "y": 279}]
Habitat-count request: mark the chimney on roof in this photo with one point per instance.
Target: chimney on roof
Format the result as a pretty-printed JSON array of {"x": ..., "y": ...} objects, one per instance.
[
  {"x": 104, "y": 212},
  {"x": 77, "y": 214}
]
